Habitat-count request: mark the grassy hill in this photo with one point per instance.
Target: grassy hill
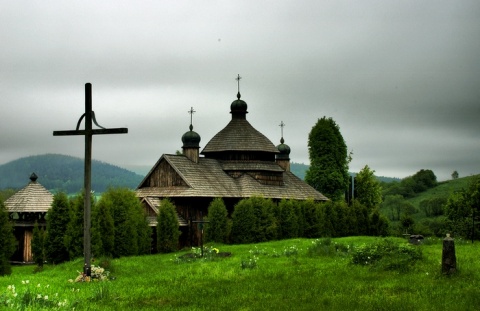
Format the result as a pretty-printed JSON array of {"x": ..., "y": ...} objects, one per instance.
[
  {"x": 442, "y": 190},
  {"x": 61, "y": 172}
]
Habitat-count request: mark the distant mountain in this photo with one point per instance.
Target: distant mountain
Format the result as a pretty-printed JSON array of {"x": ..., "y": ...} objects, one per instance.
[
  {"x": 61, "y": 172},
  {"x": 300, "y": 169}
]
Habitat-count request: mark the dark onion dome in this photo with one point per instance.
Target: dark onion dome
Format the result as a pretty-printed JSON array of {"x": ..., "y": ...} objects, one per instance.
[
  {"x": 283, "y": 149},
  {"x": 238, "y": 107},
  {"x": 191, "y": 139}
]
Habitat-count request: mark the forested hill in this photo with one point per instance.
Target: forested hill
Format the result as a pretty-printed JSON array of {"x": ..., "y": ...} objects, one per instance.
[{"x": 61, "y": 172}]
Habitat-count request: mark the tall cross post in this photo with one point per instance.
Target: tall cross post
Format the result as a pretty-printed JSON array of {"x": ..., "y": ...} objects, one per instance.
[{"x": 88, "y": 132}]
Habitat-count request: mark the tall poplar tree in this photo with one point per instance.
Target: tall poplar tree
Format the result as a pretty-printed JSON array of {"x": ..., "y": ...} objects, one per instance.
[{"x": 328, "y": 171}]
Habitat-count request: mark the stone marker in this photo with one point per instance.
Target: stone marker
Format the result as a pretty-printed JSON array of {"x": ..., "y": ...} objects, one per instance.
[{"x": 449, "y": 260}]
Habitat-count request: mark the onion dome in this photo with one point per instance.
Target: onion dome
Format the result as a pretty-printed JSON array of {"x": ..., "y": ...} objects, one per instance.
[
  {"x": 238, "y": 107},
  {"x": 191, "y": 139},
  {"x": 284, "y": 150},
  {"x": 33, "y": 177}
]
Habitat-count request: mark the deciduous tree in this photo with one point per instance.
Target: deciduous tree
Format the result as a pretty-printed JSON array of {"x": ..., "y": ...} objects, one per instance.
[{"x": 367, "y": 189}]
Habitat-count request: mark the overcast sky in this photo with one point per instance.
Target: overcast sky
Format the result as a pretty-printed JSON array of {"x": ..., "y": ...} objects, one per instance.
[{"x": 400, "y": 78}]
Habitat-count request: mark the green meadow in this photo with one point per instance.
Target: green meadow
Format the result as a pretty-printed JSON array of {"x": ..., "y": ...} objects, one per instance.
[{"x": 279, "y": 275}]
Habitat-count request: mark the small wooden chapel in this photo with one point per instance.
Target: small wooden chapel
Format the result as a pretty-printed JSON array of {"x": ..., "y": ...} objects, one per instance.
[{"x": 27, "y": 206}]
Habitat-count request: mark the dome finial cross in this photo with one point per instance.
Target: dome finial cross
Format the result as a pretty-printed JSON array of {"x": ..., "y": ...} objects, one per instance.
[
  {"x": 191, "y": 112},
  {"x": 238, "y": 78}
]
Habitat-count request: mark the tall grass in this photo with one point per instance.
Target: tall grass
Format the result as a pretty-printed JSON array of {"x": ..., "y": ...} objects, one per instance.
[{"x": 287, "y": 276}]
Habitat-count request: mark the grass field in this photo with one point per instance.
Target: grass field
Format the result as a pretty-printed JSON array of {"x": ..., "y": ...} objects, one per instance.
[{"x": 278, "y": 275}]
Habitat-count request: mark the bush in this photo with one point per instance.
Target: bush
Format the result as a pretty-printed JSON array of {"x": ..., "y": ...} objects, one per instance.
[
  {"x": 325, "y": 247},
  {"x": 387, "y": 255}
]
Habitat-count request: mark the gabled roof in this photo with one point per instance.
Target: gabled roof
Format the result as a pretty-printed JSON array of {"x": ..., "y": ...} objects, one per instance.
[
  {"x": 154, "y": 204},
  {"x": 239, "y": 135},
  {"x": 207, "y": 178},
  {"x": 32, "y": 198}
]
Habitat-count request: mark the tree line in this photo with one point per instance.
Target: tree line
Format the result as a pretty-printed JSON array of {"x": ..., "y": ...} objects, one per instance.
[
  {"x": 118, "y": 228},
  {"x": 257, "y": 219}
]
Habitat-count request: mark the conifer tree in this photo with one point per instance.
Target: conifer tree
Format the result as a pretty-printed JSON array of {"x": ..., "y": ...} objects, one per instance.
[
  {"x": 167, "y": 227},
  {"x": 57, "y": 221},
  {"x": 38, "y": 245},
  {"x": 7, "y": 241},
  {"x": 329, "y": 217},
  {"x": 288, "y": 222},
  {"x": 103, "y": 229},
  {"x": 266, "y": 228},
  {"x": 131, "y": 231},
  {"x": 243, "y": 222},
  {"x": 216, "y": 229},
  {"x": 73, "y": 238},
  {"x": 313, "y": 219},
  {"x": 328, "y": 171}
]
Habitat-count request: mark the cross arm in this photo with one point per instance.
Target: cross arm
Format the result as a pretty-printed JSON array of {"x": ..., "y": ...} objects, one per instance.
[{"x": 119, "y": 130}]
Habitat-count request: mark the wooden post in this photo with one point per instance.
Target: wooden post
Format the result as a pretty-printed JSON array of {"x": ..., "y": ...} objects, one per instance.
[
  {"x": 449, "y": 260},
  {"x": 89, "y": 116}
]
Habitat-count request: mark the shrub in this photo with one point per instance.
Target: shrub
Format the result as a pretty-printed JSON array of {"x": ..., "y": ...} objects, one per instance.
[
  {"x": 325, "y": 247},
  {"x": 387, "y": 255}
]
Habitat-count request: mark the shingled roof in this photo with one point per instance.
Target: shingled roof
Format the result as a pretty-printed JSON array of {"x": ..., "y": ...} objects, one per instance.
[
  {"x": 207, "y": 178},
  {"x": 239, "y": 135},
  {"x": 32, "y": 198}
]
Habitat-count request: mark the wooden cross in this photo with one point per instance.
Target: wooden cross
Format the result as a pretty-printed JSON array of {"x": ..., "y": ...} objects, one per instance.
[{"x": 88, "y": 132}]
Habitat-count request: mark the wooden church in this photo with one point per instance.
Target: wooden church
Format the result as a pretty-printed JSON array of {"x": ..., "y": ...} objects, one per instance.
[
  {"x": 27, "y": 206},
  {"x": 238, "y": 162}
]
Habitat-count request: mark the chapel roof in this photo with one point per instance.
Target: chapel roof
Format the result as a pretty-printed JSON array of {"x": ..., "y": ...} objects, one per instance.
[
  {"x": 32, "y": 198},
  {"x": 208, "y": 178}
]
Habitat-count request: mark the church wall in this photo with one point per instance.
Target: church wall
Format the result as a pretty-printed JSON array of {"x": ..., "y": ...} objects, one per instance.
[{"x": 165, "y": 176}]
